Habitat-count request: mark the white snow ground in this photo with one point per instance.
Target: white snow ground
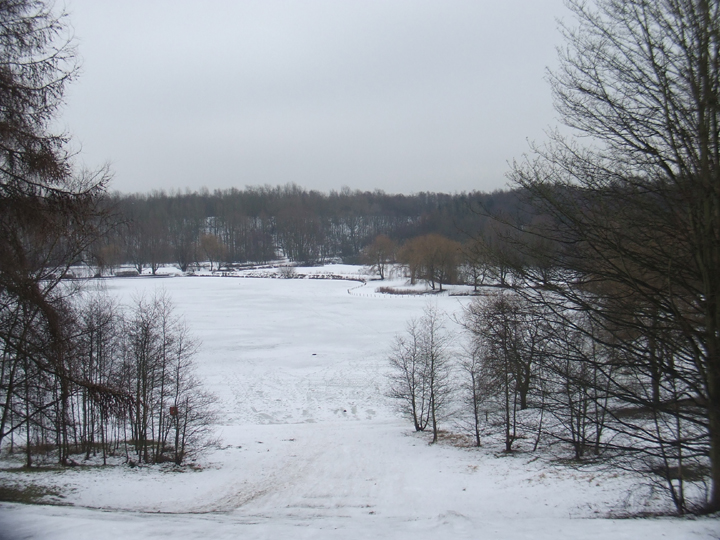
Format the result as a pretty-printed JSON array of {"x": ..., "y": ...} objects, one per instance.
[{"x": 311, "y": 448}]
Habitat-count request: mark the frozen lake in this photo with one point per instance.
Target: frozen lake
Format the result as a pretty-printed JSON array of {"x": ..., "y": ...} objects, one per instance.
[{"x": 311, "y": 447}]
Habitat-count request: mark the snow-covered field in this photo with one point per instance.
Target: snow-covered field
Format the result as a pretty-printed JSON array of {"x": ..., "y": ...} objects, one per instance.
[{"x": 311, "y": 448}]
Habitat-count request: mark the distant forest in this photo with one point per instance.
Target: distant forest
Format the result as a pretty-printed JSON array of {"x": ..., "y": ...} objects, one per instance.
[{"x": 259, "y": 224}]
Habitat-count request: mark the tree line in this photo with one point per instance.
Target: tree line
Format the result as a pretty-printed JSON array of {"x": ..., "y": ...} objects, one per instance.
[{"x": 261, "y": 224}]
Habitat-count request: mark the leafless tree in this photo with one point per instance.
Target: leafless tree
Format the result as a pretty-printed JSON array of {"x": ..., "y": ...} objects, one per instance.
[
  {"x": 576, "y": 373},
  {"x": 171, "y": 412},
  {"x": 475, "y": 262},
  {"x": 98, "y": 357},
  {"x": 432, "y": 258},
  {"x": 635, "y": 212},
  {"x": 421, "y": 370},
  {"x": 50, "y": 213},
  {"x": 474, "y": 385},
  {"x": 213, "y": 249},
  {"x": 408, "y": 381},
  {"x": 510, "y": 341},
  {"x": 379, "y": 254}
]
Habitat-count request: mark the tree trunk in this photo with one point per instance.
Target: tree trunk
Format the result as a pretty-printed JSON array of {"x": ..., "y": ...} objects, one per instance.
[{"x": 714, "y": 427}]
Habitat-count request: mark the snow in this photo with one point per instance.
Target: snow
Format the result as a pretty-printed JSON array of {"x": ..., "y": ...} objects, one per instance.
[{"x": 310, "y": 447}]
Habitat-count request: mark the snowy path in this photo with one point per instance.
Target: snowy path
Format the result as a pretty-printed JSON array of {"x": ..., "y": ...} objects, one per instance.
[{"x": 312, "y": 449}]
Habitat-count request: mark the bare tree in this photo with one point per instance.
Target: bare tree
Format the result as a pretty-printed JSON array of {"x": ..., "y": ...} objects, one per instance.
[
  {"x": 213, "y": 249},
  {"x": 474, "y": 385},
  {"x": 576, "y": 374},
  {"x": 191, "y": 411},
  {"x": 98, "y": 353},
  {"x": 379, "y": 254},
  {"x": 171, "y": 412},
  {"x": 432, "y": 258},
  {"x": 475, "y": 259},
  {"x": 184, "y": 235},
  {"x": 421, "y": 370},
  {"x": 636, "y": 213},
  {"x": 50, "y": 214},
  {"x": 509, "y": 339},
  {"x": 408, "y": 381}
]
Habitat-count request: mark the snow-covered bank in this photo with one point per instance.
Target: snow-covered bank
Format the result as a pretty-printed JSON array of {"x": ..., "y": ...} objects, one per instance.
[{"x": 311, "y": 447}]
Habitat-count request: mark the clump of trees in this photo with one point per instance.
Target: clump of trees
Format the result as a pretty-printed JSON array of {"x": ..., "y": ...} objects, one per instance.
[
  {"x": 171, "y": 413},
  {"x": 71, "y": 381},
  {"x": 537, "y": 373},
  {"x": 431, "y": 258},
  {"x": 157, "y": 410}
]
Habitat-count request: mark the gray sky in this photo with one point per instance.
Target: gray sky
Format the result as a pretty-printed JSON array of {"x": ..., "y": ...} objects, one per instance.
[{"x": 399, "y": 95}]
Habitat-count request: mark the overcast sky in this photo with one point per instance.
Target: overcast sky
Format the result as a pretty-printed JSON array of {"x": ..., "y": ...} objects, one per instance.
[{"x": 398, "y": 95}]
